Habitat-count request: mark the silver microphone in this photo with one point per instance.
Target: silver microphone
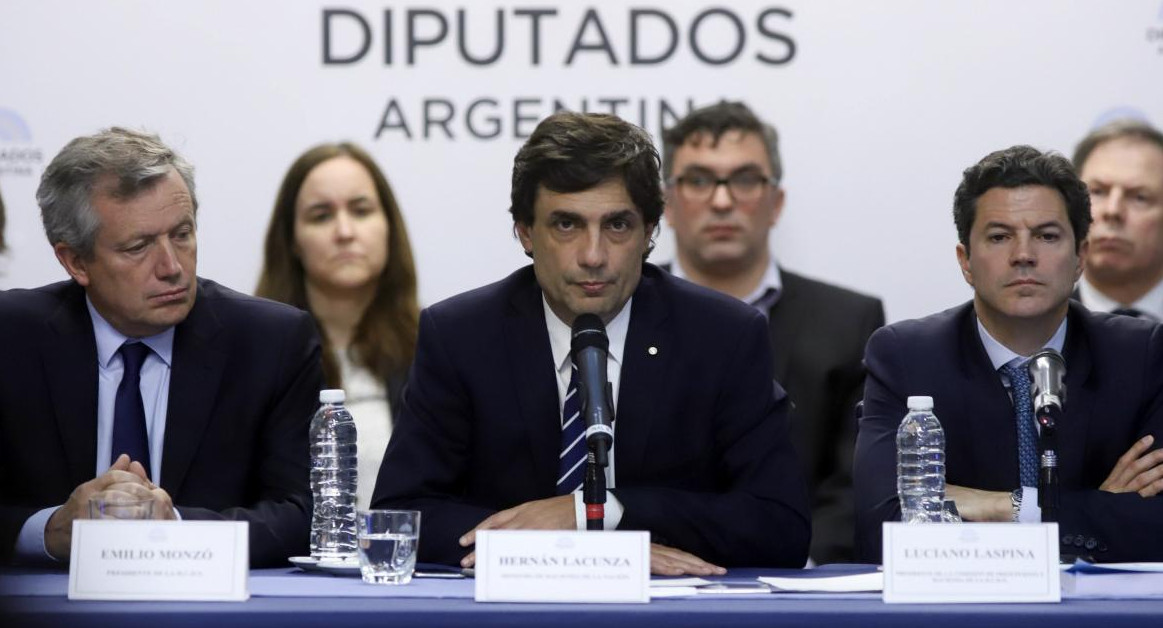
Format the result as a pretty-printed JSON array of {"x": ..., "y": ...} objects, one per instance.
[{"x": 1047, "y": 372}]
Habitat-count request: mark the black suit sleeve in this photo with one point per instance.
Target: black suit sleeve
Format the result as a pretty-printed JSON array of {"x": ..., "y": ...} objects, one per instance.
[
  {"x": 279, "y": 512},
  {"x": 1121, "y": 527},
  {"x": 833, "y": 511},
  {"x": 758, "y": 516},
  {"x": 429, "y": 453},
  {"x": 874, "y": 463}
]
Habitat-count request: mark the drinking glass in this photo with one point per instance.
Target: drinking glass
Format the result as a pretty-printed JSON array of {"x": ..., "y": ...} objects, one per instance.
[
  {"x": 118, "y": 505},
  {"x": 387, "y": 545}
]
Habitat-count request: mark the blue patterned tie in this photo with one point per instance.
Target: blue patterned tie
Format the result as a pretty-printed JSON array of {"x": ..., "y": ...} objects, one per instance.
[
  {"x": 1024, "y": 414},
  {"x": 129, "y": 432},
  {"x": 573, "y": 445}
]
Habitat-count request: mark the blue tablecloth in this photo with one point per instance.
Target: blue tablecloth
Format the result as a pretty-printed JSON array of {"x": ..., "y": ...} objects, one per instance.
[{"x": 286, "y": 598}]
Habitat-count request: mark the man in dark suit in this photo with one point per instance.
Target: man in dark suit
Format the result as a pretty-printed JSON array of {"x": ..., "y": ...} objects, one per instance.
[
  {"x": 818, "y": 331},
  {"x": 136, "y": 377},
  {"x": 1022, "y": 218},
  {"x": 701, "y": 454},
  {"x": 1121, "y": 163}
]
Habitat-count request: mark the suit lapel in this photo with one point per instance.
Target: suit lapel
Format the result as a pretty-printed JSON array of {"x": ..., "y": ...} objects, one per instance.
[
  {"x": 780, "y": 328},
  {"x": 70, "y": 361},
  {"x": 531, "y": 366},
  {"x": 1080, "y": 392},
  {"x": 198, "y": 366},
  {"x": 642, "y": 393},
  {"x": 992, "y": 420}
]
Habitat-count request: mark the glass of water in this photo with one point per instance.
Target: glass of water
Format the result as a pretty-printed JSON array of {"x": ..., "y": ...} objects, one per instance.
[
  {"x": 119, "y": 505},
  {"x": 387, "y": 545}
]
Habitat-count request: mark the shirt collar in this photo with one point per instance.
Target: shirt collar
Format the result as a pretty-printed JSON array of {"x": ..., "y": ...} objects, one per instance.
[
  {"x": 561, "y": 336},
  {"x": 1150, "y": 304},
  {"x": 1000, "y": 355},
  {"x": 109, "y": 340},
  {"x": 771, "y": 280}
]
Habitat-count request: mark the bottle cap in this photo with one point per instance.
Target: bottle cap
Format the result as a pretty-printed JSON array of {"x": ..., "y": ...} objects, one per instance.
[
  {"x": 920, "y": 403},
  {"x": 332, "y": 395}
]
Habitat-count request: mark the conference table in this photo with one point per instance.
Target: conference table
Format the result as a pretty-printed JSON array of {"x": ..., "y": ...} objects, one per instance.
[{"x": 290, "y": 598}]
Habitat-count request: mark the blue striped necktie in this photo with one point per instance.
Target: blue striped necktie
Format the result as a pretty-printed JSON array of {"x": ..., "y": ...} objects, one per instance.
[
  {"x": 130, "y": 435},
  {"x": 573, "y": 446},
  {"x": 1024, "y": 415}
]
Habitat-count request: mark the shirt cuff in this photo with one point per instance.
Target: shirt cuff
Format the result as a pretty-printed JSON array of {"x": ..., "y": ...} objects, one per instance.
[
  {"x": 1029, "y": 511},
  {"x": 30, "y": 547},
  {"x": 613, "y": 513}
]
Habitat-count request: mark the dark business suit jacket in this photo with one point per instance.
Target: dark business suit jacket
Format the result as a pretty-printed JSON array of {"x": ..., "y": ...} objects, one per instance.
[
  {"x": 818, "y": 333},
  {"x": 1114, "y": 395},
  {"x": 243, "y": 386},
  {"x": 702, "y": 457}
]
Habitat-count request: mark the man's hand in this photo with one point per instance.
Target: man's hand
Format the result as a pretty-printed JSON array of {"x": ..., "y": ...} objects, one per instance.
[
  {"x": 124, "y": 476},
  {"x": 668, "y": 561},
  {"x": 978, "y": 505},
  {"x": 554, "y": 513},
  {"x": 1136, "y": 471}
]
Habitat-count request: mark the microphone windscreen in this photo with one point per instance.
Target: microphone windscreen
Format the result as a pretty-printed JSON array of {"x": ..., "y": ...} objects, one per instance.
[{"x": 589, "y": 331}]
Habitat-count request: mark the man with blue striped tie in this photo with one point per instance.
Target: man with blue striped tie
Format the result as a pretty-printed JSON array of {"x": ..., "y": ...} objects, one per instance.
[
  {"x": 1022, "y": 218},
  {"x": 490, "y": 437}
]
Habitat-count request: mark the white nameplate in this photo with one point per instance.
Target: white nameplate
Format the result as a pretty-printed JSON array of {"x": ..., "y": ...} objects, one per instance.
[
  {"x": 559, "y": 566},
  {"x": 159, "y": 560},
  {"x": 971, "y": 562}
]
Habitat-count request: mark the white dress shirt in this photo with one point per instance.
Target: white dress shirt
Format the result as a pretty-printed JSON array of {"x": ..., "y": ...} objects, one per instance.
[
  {"x": 1151, "y": 304},
  {"x": 560, "y": 337},
  {"x": 367, "y": 401}
]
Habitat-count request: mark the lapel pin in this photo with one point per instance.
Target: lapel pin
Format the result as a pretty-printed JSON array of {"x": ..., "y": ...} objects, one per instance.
[{"x": 652, "y": 350}]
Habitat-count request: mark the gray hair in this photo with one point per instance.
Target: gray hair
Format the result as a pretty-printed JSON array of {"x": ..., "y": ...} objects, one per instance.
[
  {"x": 1115, "y": 130},
  {"x": 135, "y": 159}
]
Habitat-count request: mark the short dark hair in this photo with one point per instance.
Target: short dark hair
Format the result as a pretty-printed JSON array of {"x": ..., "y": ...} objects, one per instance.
[
  {"x": 1114, "y": 130},
  {"x": 716, "y": 120},
  {"x": 571, "y": 152},
  {"x": 1016, "y": 167}
]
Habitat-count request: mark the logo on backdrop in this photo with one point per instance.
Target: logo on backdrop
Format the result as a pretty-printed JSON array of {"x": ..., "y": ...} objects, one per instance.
[
  {"x": 1155, "y": 32},
  {"x": 510, "y": 37},
  {"x": 18, "y": 154}
]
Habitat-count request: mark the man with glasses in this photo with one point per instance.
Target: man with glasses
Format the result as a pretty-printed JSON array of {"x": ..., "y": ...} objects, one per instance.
[{"x": 723, "y": 198}]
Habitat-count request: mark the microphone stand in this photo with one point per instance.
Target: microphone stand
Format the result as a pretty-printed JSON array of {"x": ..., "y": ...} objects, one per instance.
[
  {"x": 1047, "y": 417},
  {"x": 594, "y": 482}
]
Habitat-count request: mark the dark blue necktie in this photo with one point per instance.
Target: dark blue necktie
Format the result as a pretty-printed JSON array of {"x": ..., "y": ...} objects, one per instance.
[
  {"x": 129, "y": 433},
  {"x": 573, "y": 445},
  {"x": 1024, "y": 415}
]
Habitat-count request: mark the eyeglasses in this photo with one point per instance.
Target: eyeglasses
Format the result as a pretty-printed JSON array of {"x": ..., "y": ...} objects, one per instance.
[{"x": 744, "y": 186}]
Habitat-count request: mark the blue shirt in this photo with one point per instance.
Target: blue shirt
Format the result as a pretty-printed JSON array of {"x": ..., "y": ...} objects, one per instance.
[
  {"x": 155, "y": 396},
  {"x": 1001, "y": 355}
]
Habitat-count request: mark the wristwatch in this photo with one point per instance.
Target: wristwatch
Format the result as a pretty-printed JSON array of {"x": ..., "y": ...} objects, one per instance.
[{"x": 1016, "y": 502}]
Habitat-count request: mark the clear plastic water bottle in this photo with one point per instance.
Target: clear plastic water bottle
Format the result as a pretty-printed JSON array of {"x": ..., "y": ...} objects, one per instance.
[
  {"x": 920, "y": 463},
  {"x": 334, "y": 473}
]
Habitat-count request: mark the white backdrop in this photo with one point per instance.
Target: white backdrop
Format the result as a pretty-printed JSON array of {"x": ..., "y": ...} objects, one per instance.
[{"x": 880, "y": 105}]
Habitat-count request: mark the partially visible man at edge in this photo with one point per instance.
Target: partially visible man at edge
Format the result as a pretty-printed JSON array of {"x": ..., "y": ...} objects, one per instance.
[
  {"x": 139, "y": 377},
  {"x": 1022, "y": 218},
  {"x": 1121, "y": 163}
]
